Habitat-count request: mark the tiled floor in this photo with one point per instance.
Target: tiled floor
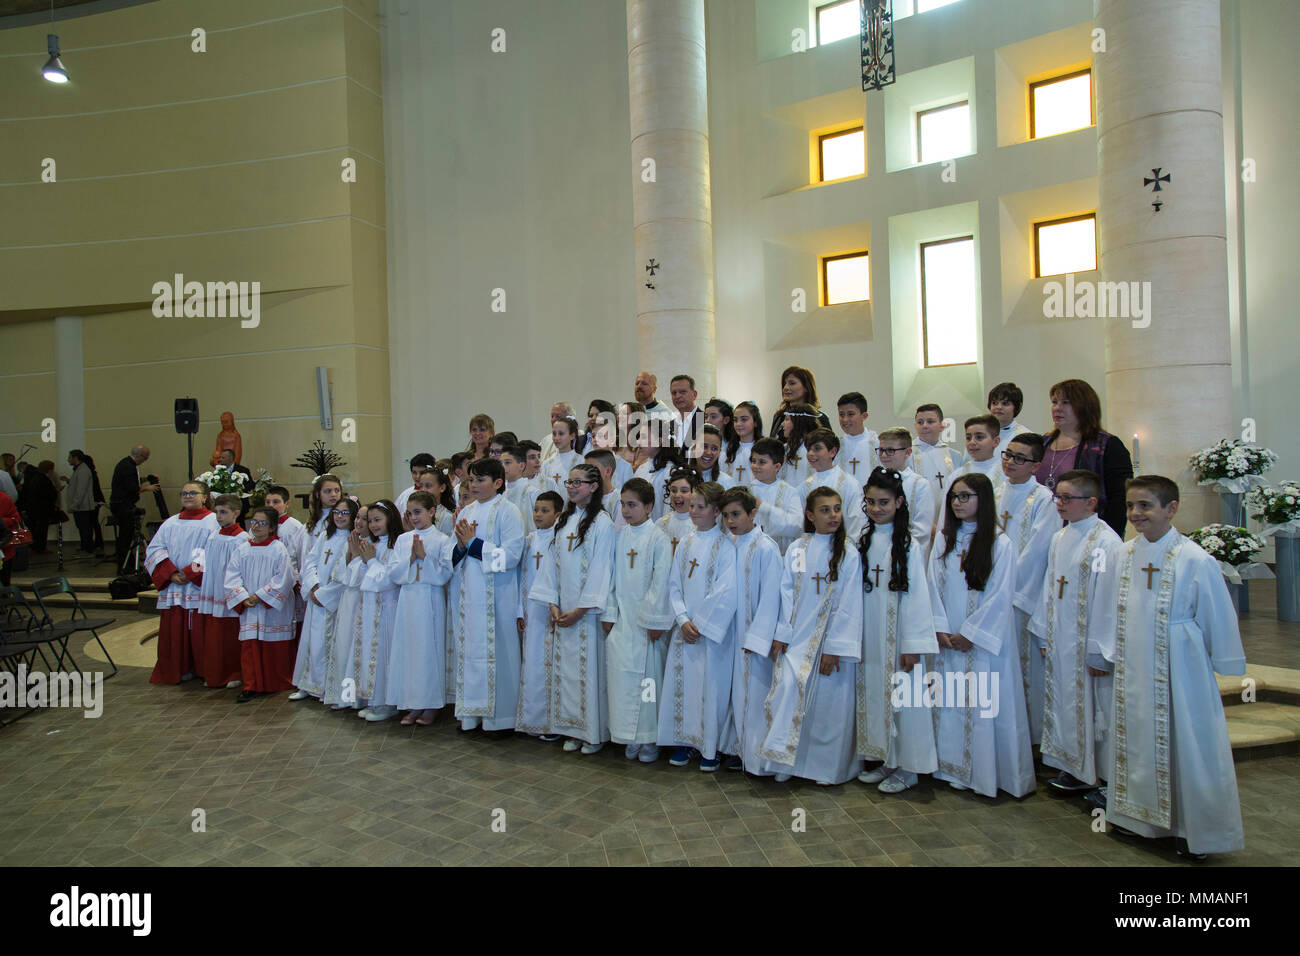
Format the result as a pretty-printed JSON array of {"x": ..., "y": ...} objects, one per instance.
[{"x": 286, "y": 783}]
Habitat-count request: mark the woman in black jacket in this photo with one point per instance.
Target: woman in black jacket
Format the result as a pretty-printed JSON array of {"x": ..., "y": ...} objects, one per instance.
[{"x": 1077, "y": 441}]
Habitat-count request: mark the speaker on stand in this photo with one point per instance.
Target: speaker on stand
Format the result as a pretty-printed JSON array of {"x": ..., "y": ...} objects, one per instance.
[{"x": 187, "y": 424}]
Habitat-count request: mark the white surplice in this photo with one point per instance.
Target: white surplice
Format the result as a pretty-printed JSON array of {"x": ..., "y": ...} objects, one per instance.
[
  {"x": 893, "y": 727},
  {"x": 483, "y": 618},
  {"x": 1006, "y": 433},
  {"x": 264, "y": 571},
  {"x": 697, "y": 677},
  {"x": 327, "y": 553},
  {"x": 293, "y": 535},
  {"x": 180, "y": 541},
  {"x": 637, "y": 603},
  {"x": 678, "y": 526},
  {"x": 795, "y": 473},
  {"x": 1173, "y": 772},
  {"x": 809, "y": 715},
  {"x": 977, "y": 748},
  {"x": 613, "y": 506},
  {"x": 850, "y": 491},
  {"x": 857, "y": 454},
  {"x": 342, "y": 632},
  {"x": 217, "y": 551},
  {"x": 521, "y": 493},
  {"x": 577, "y": 576},
  {"x": 1068, "y": 623},
  {"x": 990, "y": 469},
  {"x": 1027, "y": 515},
  {"x": 738, "y": 467},
  {"x": 532, "y": 715},
  {"x": 920, "y": 509},
  {"x": 758, "y": 602},
  {"x": 557, "y": 469},
  {"x": 376, "y": 612},
  {"x": 935, "y": 463},
  {"x": 417, "y": 678},
  {"x": 780, "y": 511}
]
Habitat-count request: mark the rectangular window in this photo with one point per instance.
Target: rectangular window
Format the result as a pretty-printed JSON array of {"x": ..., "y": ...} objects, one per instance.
[
  {"x": 842, "y": 154},
  {"x": 948, "y": 333},
  {"x": 1060, "y": 104},
  {"x": 846, "y": 278},
  {"x": 943, "y": 132},
  {"x": 1065, "y": 245},
  {"x": 838, "y": 21}
]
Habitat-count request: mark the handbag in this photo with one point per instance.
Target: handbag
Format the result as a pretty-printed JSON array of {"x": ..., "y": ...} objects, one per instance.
[{"x": 22, "y": 537}]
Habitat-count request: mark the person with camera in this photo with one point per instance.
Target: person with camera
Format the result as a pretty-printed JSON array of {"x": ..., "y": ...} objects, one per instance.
[{"x": 123, "y": 499}]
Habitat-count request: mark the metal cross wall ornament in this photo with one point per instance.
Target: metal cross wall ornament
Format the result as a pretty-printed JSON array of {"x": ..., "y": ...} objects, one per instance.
[
  {"x": 651, "y": 266},
  {"x": 877, "y": 36},
  {"x": 1154, "y": 181}
]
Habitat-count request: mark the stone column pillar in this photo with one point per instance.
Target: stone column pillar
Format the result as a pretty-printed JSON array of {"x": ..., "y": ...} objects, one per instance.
[
  {"x": 1160, "y": 104},
  {"x": 70, "y": 389},
  {"x": 671, "y": 216}
]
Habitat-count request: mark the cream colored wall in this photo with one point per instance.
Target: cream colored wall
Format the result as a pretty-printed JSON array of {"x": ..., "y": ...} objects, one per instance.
[{"x": 223, "y": 166}]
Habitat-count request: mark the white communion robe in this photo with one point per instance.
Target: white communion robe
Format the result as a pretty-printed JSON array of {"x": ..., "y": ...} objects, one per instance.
[
  {"x": 780, "y": 511},
  {"x": 613, "y": 505},
  {"x": 1173, "y": 773},
  {"x": 532, "y": 715},
  {"x": 181, "y": 541},
  {"x": 850, "y": 491},
  {"x": 1068, "y": 623},
  {"x": 637, "y": 603},
  {"x": 697, "y": 678},
  {"x": 935, "y": 463},
  {"x": 1027, "y": 515},
  {"x": 217, "y": 552},
  {"x": 417, "y": 677},
  {"x": 758, "y": 602},
  {"x": 980, "y": 750},
  {"x": 264, "y": 571},
  {"x": 892, "y": 725},
  {"x": 677, "y": 526},
  {"x": 523, "y": 494},
  {"x": 920, "y": 509},
  {"x": 738, "y": 467},
  {"x": 327, "y": 554},
  {"x": 1006, "y": 433},
  {"x": 857, "y": 454},
  {"x": 576, "y": 575},
  {"x": 990, "y": 469},
  {"x": 808, "y": 715},
  {"x": 483, "y": 618},
  {"x": 376, "y": 611},
  {"x": 796, "y": 473},
  {"x": 557, "y": 469},
  {"x": 293, "y": 535},
  {"x": 342, "y": 632},
  {"x": 623, "y": 471}
]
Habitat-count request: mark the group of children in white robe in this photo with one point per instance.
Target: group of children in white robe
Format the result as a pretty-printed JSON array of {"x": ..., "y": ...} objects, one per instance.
[{"x": 797, "y": 617}]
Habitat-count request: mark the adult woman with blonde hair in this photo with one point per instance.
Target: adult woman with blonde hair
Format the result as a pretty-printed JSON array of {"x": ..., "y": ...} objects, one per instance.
[{"x": 481, "y": 430}]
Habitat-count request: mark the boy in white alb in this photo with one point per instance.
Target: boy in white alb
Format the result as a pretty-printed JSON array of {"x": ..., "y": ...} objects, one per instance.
[
  {"x": 418, "y": 463},
  {"x": 534, "y": 623},
  {"x": 604, "y": 460},
  {"x": 292, "y": 533},
  {"x": 981, "y": 450},
  {"x": 520, "y": 492},
  {"x": 260, "y": 581},
  {"x": 858, "y": 446},
  {"x": 931, "y": 458},
  {"x": 895, "y": 452},
  {"x": 780, "y": 511},
  {"x": 220, "y": 625},
  {"x": 821, "y": 447},
  {"x": 1005, "y": 401}
]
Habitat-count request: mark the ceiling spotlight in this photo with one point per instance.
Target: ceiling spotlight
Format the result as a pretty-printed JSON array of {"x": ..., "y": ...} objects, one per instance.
[{"x": 53, "y": 69}]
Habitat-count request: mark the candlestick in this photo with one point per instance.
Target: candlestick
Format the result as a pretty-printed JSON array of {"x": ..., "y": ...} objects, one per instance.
[{"x": 1137, "y": 468}]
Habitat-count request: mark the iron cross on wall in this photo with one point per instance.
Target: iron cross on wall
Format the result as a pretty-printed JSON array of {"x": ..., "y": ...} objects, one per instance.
[
  {"x": 1154, "y": 181},
  {"x": 651, "y": 266}
]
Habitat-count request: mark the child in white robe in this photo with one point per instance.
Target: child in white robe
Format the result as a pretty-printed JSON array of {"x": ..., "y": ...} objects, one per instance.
[
  {"x": 534, "y": 623},
  {"x": 485, "y": 555},
  {"x": 328, "y": 552},
  {"x": 758, "y": 601},
  {"x": 635, "y": 620},
  {"x": 748, "y": 423},
  {"x": 259, "y": 586},
  {"x": 377, "y": 610},
  {"x": 897, "y": 638},
  {"x": 799, "y": 420},
  {"x": 169, "y": 559},
  {"x": 857, "y": 455},
  {"x": 1173, "y": 772},
  {"x": 421, "y": 567},
  {"x": 982, "y": 451},
  {"x": 677, "y": 524},
  {"x": 219, "y": 624},
  {"x": 574, "y": 582},
  {"x": 981, "y": 724},
  {"x": 341, "y": 626},
  {"x": 556, "y": 468},
  {"x": 709, "y": 461},
  {"x": 895, "y": 452},
  {"x": 520, "y": 492},
  {"x": 702, "y": 592},
  {"x": 1027, "y": 516},
  {"x": 780, "y": 507},
  {"x": 433, "y": 481},
  {"x": 1004, "y": 403},
  {"x": 1068, "y": 625},
  {"x": 821, "y": 446},
  {"x": 293, "y": 535},
  {"x": 931, "y": 458},
  {"x": 809, "y": 711}
]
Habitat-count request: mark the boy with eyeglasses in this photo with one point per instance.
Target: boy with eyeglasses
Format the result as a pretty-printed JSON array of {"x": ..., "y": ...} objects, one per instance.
[
  {"x": 895, "y": 453},
  {"x": 1026, "y": 516},
  {"x": 260, "y": 582}
]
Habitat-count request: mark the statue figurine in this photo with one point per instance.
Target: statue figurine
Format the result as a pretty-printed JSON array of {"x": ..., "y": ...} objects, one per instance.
[{"x": 228, "y": 439}]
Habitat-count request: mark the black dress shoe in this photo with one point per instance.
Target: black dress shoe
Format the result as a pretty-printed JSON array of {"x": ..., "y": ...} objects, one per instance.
[
  {"x": 1068, "y": 783},
  {"x": 1095, "y": 798},
  {"x": 498, "y": 734},
  {"x": 734, "y": 763},
  {"x": 1186, "y": 852},
  {"x": 246, "y": 696}
]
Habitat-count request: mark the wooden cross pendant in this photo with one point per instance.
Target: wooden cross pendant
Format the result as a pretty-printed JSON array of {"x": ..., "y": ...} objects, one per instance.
[
  {"x": 631, "y": 558},
  {"x": 1005, "y": 516},
  {"x": 819, "y": 578},
  {"x": 740, "y": 474},
  {"x": 876, "y": 571},
  {"x": 537, "y": 557},
  {"x": 1060, "y": 587},
  {"x": 572, "y": 536},
  {"x": 327, "y": 556},
  {"x": 694, "y": 564},
  {"x": 674, "y": 546},
  {"x": 940, "y": 477},
  {"x": 853, "y": 462},
  {"x": 1150, "y": 569},
  {"x": 962, "y": 555}
]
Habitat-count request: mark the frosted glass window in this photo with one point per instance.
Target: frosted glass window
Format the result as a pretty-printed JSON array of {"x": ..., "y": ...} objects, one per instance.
[
  {"x": 837, "y": 21},
  {"x": 943, "y": 132},
  {"x": 925, "y": 6},
  {"x": 948, "y": 325},
  {"x": 846, "y": 278},
  {"x": 1060, "y": 104},
  {"x": 1065, "y": 245},
  {"x": 843, "y": 154}
]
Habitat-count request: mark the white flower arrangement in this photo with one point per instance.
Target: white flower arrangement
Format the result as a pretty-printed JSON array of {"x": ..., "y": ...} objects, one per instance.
[
  {"x": 1228, "y": 544},
  {"x": 1278, "y": 507},
  {"x": 223, "y": 481},
  {"x": 1232, "y": 465}
]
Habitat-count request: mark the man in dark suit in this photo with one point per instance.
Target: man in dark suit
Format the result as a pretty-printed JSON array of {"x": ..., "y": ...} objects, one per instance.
[
  {"x": 123, "y": 496},
  {"x": 227, "y": 460}
]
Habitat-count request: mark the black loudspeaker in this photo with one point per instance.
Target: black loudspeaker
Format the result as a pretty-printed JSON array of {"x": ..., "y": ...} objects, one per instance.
[{"x": 187, "y": 416}]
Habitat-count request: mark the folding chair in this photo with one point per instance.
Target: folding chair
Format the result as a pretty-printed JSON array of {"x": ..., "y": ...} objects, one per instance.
[
  {"x": 47, "y": 587},
  {"x": 21, "y": 638}
]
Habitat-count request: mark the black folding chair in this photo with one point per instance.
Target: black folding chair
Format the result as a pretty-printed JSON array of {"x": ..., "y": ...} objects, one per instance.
[
  {"x": 46, "y": 587},
  {"x": 21, "y": 639}
]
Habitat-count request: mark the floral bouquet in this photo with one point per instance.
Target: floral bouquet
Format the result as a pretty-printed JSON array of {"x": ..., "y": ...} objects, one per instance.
[
  {"x": 223, "y": 481},
  {"x": 1232, "y": 465},
  {"x": 1279, "y": 507},
  {"x": 1233, "y": 548},
  {"x": 260, "y": 486}
]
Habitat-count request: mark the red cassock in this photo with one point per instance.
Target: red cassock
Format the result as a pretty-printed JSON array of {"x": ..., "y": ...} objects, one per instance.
[
  {"x": 176, "y": 644},
  {"x": 216, "y": 626}
]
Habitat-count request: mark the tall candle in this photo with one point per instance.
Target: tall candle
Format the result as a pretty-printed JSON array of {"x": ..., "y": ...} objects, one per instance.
[{"x": 1137, "y": 456}]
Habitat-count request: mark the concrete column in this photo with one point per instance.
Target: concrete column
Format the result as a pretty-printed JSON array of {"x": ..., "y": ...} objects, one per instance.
[
  {"x": 1160, "y": 104},
  {"x": 671, "y": 215},
  {"x": 70, "y": 388}
]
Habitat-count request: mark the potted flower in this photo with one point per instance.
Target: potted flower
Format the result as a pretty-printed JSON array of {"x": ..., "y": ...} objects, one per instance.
[
  {"x": 1279, "y": 510},
  {"x": 1234, "y": 549},
  {"x": 1232, "y": 467},
  {"x": 224, "y": 481}
]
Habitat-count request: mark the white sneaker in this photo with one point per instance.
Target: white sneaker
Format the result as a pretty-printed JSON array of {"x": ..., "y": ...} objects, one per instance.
[
  {"x": 781, "y": 777},
  {"x": 338, "y": 706},
  {"x": 896, "y": 783},
  {"x": 469, "y": 723},
  {"x": 591, "y": 748},
  {"x": 299, "y": 695},
  {"x": 824, "y": 783},
  {"x": 875, "y": 776},
  {"x": 377, "y": 714},
  {"x": 631, "y": 751},
  {"x": 235, "y": 685},
  {"x": 649, "y": 753},
  {"x": 571, "y": 745},
  {"x": 957, "y": 786},
  {"x": 364, "y": 713}
]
